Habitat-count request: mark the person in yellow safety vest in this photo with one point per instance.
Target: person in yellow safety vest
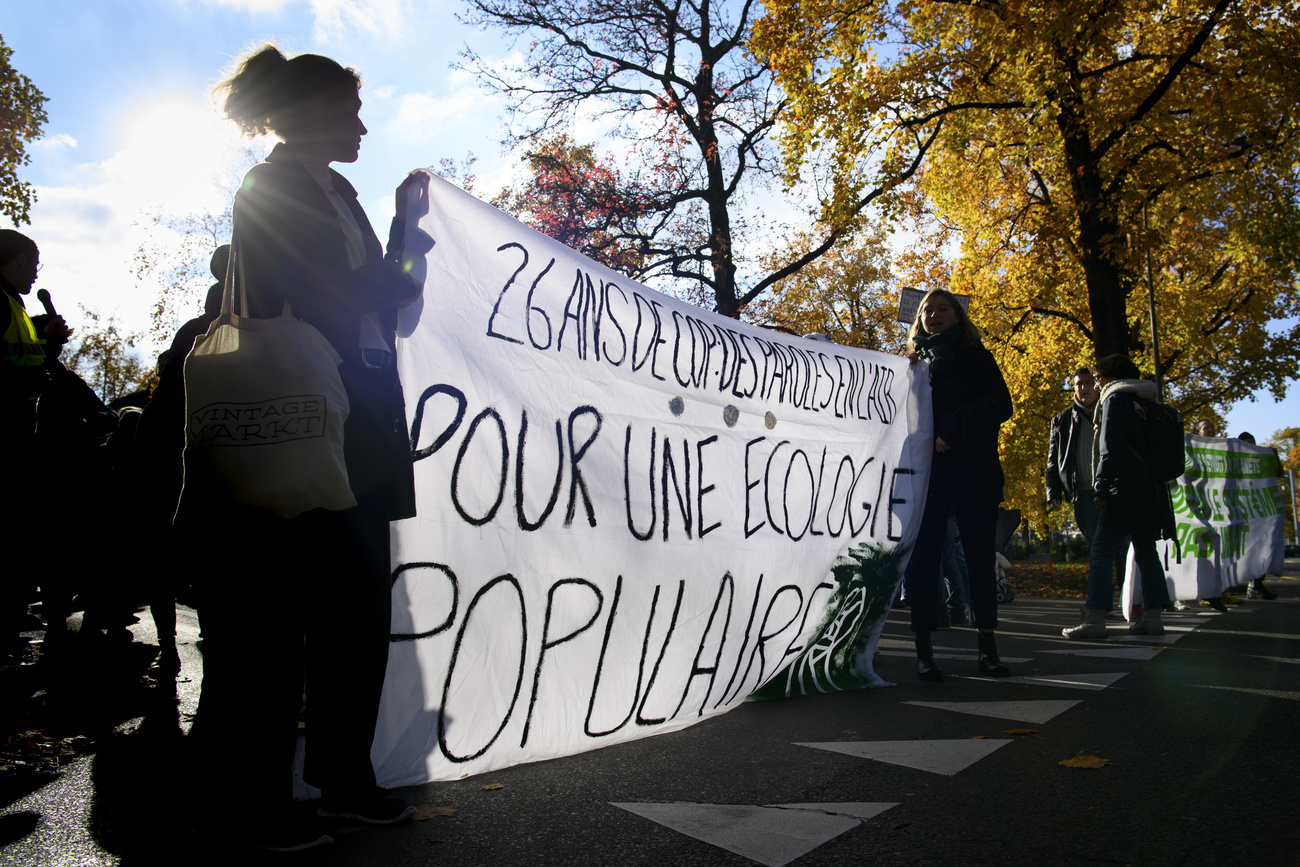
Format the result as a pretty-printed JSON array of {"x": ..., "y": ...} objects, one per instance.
[
  {"x": 21, "y": 345},
  {"x": 23, "y": 377},
  {"x": 22, "y": 356}
]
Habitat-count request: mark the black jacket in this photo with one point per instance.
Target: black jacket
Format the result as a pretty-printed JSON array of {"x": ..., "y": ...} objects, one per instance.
[
  {"x": 288, "y": 244},
  {"x": 1062, "y": 450},
  {"x": 1136, "y": 504},
  {"x": 158, "y": 462},
  {"x": 971, "y": 401}
]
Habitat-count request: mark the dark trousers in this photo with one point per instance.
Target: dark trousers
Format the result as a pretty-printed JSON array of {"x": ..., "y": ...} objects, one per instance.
[
  {"x": 977, "y": 522},
  {"x": 1088, "y": 518},
  {"x": 288, "y": 604}
]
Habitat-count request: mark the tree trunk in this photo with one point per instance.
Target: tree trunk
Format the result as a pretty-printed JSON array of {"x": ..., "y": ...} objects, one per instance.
[
  {"x": 721, "y": 256},
  {"x": 1098, "y": 231},
  {"x": 1107, "y": 287}
]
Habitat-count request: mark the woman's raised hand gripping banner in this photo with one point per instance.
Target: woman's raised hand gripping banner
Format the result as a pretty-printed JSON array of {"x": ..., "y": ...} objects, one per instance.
[{"x": 633, "y": 513}]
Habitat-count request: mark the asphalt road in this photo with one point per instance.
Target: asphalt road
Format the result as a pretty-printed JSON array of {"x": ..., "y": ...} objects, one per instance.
[{"x": 1199, "y": 732}]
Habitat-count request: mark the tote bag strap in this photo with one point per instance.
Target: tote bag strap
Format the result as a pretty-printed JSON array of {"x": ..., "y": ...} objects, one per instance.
[
  {"x": 234, "y": 269},
  {"x": 228, "y": 282}
]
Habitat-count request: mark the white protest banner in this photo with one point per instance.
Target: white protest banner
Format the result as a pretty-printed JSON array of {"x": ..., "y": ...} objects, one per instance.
[
  {"x": 1228, "y": 518},
  {"x": 632, "y": 512}
]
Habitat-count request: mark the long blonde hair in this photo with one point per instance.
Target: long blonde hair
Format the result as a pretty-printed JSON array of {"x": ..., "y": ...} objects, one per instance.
[{"x": 970, "y": 334}]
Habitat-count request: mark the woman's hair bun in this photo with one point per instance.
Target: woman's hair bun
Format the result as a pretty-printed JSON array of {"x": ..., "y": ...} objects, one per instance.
[{"x": 267, "y": 89}]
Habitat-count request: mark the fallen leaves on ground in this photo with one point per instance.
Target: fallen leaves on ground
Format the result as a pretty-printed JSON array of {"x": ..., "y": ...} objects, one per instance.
[
  {"x": 1021, "y": 732},
  {"x": 432, "y": 811},
  {"x": 1082, "y": 761},
  {"x": 34, "y": 750},
  {"x": 490, "y": 786},
  {"x": 1032, "y": 578},
  {"x": 978, "y": 737}
]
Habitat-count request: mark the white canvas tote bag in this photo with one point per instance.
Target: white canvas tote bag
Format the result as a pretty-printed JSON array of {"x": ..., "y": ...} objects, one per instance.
[{"x": 264, "y": 411}]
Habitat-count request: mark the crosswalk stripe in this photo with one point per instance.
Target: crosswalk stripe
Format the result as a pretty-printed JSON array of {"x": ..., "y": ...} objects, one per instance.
[
  {"x": 947, "y": 757},
  {"x": 911, "y": 654},
  {"x": 1022, "y": 711},
  {"x": 770, "y": 835},
  {"x": 1137, "y": 653},
  {"x": 1095, "y": 682}
]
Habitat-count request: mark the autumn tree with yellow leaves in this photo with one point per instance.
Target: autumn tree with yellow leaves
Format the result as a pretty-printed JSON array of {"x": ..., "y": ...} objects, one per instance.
[
  {"x": 1084, "y": 147},
  {"x": 847, "y": 294},
  {"x": 1287, "y": 443},
  {"x": 105, "y": 356}
]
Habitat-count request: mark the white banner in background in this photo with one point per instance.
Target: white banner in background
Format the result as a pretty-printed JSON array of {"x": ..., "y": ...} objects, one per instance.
[
  {"x": 1228, "y": 517},
  {"x": 629, "y": 508}
]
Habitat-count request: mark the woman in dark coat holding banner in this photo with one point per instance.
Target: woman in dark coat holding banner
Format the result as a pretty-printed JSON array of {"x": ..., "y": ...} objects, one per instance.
[
  {"x": 970, "y": 402},
  {"x": 307, "y": 598}
]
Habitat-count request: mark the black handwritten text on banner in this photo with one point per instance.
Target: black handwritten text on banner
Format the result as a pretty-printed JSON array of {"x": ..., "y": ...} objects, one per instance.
[{"x": 629, "y": 508}]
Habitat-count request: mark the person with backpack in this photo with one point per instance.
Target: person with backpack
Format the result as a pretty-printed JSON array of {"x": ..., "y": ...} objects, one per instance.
[{"x": 1133, "y": 455}]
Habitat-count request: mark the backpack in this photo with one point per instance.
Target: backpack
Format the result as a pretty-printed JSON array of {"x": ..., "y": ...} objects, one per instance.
[{"x": 1166, "y": 456}]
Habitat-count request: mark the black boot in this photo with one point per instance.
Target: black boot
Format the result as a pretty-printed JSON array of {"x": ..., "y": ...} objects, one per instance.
[
  {"x": 925, "y": 667},
  {"x": 989, "y": 662}
]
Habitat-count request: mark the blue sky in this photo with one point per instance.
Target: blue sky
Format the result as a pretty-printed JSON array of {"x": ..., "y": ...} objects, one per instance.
[{"x": 133, "y": 131}]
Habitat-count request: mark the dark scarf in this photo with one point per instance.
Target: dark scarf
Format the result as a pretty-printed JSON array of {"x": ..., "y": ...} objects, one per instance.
[{"x": 939, "y": 349}]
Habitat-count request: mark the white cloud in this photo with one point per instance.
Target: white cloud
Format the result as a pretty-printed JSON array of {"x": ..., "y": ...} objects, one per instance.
[
  {"x": 87, "y": 238},
  {"x": 423, "y": 116},
  {"x": 594, "y": 122},
  {"x": 495, "y": 177},
  {"x": 336, "y": 19},
  {"x": 459, "y": 78},
  {"x": 62, "y": 140},
  {"x": 253, "y": 5}
]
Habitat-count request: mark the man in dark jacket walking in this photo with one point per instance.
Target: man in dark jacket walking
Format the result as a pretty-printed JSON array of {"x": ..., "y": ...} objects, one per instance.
[
  {"x": 1069, "y": 455},
  {"x": 1129, "y": 501}
]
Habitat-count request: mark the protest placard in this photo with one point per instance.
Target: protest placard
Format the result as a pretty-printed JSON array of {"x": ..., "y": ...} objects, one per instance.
[{"x": 633, "y": 513}]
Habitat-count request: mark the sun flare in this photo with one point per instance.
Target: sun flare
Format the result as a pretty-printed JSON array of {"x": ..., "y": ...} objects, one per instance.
[{"x": 178, "y": 155}]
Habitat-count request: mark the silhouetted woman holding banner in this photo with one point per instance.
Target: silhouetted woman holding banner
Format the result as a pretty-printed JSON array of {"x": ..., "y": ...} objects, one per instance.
[
  {"x": 307, "y": 598},
  {"x": 970, "y": 401}
]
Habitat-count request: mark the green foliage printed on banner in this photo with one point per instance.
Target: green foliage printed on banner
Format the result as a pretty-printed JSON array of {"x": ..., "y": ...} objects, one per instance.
[{"x": 865, "y": 580}]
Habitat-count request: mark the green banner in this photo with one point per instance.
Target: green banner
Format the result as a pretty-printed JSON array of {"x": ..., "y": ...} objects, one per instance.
[{"x": 1228, "y": 514}]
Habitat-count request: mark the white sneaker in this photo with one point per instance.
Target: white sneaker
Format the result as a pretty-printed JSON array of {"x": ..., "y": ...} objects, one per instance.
[
  {"x": 1148, "y": 624},
  {"x": 1092, "y": 628}
]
